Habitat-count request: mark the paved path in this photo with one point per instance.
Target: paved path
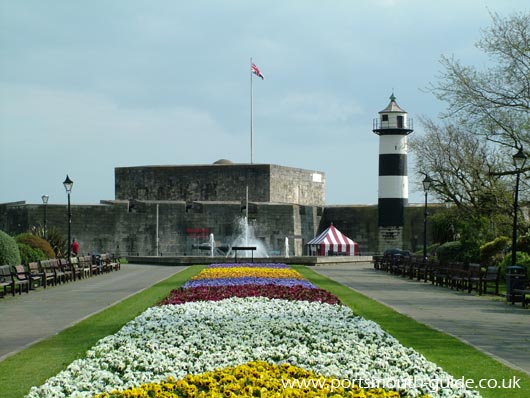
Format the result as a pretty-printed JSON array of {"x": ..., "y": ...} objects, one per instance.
[
  {"x": 492, "y": 326},
  {"x": 31, "y": 317}
]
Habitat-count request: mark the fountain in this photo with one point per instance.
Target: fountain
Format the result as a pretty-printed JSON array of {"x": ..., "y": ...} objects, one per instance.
[
  {"x": 286, "y": 247},
  {"x": 212, "y": 245},
  {"x": 245, "y": 237}
]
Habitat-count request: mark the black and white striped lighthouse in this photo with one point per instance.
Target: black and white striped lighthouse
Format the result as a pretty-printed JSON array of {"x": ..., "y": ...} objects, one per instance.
[{"x": 393, "y": 126}]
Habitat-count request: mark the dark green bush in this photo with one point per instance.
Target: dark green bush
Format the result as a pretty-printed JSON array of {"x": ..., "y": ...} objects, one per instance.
[
  {"x": 493, "y": 252},
  {"x": 431, "y": 250},
  {"x": 36, "y": 243},
  {"x": 450, "y": 251},
  {"x": 9, "y": 253},
  {"x": 29, "y": 254}
]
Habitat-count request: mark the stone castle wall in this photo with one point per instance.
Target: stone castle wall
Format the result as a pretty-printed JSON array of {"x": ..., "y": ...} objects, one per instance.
[
  {"x": 221, "y": 182},
  {"x": 129, "y": 228}
]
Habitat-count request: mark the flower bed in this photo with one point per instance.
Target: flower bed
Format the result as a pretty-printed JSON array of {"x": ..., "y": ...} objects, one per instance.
[
  {"x": 216, "y": 293},
  {"x": 200, "y": 336},
  {"x": 248, "y": 272},
  {"x": 255, "y": 379}
]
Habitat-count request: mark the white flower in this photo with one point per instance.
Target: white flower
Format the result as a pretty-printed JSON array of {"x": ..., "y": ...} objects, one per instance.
[{"x": 197, "y": 337}]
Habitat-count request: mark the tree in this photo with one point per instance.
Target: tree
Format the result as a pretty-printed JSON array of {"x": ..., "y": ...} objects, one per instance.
[
  {"x": 487, "y": 120},
  {"x": 495, "y": 102},
  {"x": 465, "y": 172}
]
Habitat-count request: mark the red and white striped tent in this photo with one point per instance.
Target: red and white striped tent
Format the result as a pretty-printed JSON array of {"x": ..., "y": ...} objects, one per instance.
[{"x": 332, "y": 242}]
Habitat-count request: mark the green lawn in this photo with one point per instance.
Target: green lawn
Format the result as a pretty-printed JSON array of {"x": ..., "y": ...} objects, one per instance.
[
  {"x": 456, "y": 357},
  {"x": 46, "y": 358}
]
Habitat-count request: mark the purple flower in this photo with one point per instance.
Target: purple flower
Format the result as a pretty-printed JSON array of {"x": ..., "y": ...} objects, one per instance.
[{"x": 248, "y": 281}]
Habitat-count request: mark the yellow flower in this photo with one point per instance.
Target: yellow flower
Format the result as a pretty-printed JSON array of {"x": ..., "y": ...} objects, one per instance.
[
  {"x": 241, "y": 272},
  {"x": 253, "y": 379}
]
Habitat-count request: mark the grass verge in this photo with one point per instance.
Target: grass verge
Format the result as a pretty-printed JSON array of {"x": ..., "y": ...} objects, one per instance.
[
  {"x": 34, "y": 365},
  {"x": 454, "y": 356},
  {"x": 48, "y": 357}
]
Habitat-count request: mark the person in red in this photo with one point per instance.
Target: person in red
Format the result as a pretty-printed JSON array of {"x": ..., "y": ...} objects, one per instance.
[{"x": 75, "y": 247}]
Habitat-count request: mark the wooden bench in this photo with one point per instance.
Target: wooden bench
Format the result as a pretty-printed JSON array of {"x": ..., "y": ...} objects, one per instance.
[
  {"x": 6, "y": 280},
  {"x": 418, "y": 267},
  {"x": 378, "y": 262},
  {"x": 77, "y": 272},
  {"x": 458, "y": 274},
  {"x": 24, "y": 277},
  {"x": 10, "y": 280},
  {"x": 395, "y": 264},
  {"x": 440, "y": 274},
  {"x": 52, "y": 266},
  {"x": 49, "y": 272},
  {"x": 491, "y": 276},
  {"x": 108, "y": 264},
  {"x": 21, "y": 279},
  {"x": 67, "y": 269},
  {"x": 36, "y": 272},
  {"x": 89, "y": 267},
  {"x": 81, "y": 270},
  {"x": 384, "y": 262},
  {"x": 522, "y": 295}
]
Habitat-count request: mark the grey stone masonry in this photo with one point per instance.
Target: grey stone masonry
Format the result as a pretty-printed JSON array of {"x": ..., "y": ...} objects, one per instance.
[{"x": 221, "y": 182}]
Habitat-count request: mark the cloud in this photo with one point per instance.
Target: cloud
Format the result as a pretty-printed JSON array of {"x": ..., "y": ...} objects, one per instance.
[{"x": 315, "y": 107}]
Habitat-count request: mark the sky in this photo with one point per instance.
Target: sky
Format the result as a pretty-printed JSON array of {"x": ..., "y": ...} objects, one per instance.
[{"x": 86, "y": 87}]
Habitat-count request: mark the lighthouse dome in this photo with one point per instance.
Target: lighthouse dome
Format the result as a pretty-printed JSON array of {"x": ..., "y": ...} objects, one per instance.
[
  {"x": 393, "y": 106},
  {"x": 393, "y": 120}
]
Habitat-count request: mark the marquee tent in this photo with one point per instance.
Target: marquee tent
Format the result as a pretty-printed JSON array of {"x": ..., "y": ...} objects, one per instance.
[{"x": 332, "y": 242}]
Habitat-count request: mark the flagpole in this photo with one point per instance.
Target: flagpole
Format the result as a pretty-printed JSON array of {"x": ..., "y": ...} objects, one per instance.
[{"x": 251, "y": 110}]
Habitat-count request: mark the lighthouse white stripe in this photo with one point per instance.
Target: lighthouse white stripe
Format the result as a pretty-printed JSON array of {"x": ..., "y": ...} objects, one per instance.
[
  {"x": 393, "y": 144},
  {"x": 394, "y": 187}
]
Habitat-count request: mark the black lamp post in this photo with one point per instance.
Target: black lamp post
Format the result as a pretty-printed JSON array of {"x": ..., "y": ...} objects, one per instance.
[
  {"x": 426, "y": 185},
  {"x": 68, "y": 186},
  {"x": 519, "y": 160},
  {"x": 45, "y": 201}
]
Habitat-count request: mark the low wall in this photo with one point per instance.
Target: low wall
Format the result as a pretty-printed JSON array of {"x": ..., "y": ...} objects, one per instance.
[{"x": 194, "y": 260}]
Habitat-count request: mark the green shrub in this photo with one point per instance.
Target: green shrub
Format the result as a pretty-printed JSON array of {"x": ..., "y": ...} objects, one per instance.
[
  {"x": 9, "y": 253},
  {"x": 493, "y": 252},
  {"x": 431, "y": 250},
  {"x": 450, "y": 251},
  {"x": 58, "y": 243},
  {"x": 522, "y": 259},
  {"x": 35, "y": 242},
  {"x": 29, "y": 254}
]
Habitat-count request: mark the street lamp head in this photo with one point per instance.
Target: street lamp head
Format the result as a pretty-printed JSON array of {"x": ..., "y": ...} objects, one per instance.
[
  {"x": 519, "y": 159},
  {"x": 45, "y": 199},
  {"x": 68, "y": 183},
  {"x": 427, "y": 181}
]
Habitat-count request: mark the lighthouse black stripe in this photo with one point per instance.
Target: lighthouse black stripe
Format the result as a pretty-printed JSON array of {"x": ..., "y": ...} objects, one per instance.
[
  {"x": 393, "y": 164},
  {"x": 391, "y": 211},
  {"x": 393, "y": 131}
]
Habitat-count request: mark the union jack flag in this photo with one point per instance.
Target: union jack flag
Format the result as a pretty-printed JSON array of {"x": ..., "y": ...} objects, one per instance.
[{"x": 256, "y": 71}]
